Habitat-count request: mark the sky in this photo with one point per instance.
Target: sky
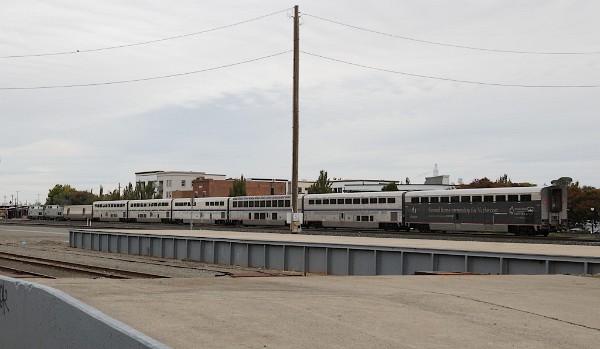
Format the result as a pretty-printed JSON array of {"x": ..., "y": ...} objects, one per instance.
[{"x": 384, "y": 90}]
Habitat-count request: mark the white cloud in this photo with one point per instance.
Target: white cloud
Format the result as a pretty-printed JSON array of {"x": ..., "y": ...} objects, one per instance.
[{"x": 355, "y": 122}]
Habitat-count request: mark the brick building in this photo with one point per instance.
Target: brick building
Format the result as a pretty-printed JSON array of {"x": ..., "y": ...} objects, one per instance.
[{"x": 206, "y": 187}]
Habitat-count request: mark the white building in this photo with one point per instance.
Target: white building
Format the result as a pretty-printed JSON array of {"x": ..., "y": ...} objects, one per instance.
[{"x": 166, "y": 182}]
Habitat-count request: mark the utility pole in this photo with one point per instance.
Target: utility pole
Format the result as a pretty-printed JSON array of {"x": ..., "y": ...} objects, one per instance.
[{"x": 295, "y": 223}]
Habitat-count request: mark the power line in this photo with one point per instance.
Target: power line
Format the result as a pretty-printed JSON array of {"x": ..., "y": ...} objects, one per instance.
[
  {"x": 451, "y": 45},
  {"x": 144, "y": 42},
  {"x": 144, "y": 79},
  {"x": 445, "y": 79}
]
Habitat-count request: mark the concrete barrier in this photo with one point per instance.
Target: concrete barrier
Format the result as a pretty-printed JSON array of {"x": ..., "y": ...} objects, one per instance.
[{"x": 37, "y": 316}]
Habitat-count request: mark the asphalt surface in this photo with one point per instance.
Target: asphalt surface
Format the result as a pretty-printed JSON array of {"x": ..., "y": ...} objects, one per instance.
[
  {"x": 556, "y": 311},
  {"x": 354, "y": 312}
]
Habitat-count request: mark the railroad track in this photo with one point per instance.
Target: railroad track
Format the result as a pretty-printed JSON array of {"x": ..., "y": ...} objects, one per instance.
[{"x": 23, "y": 265}]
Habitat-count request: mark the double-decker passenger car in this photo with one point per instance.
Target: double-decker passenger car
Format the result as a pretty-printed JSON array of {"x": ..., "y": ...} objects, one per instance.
[
  {"x": 522, "y": 210},
  {"x": 375, "y": 210},
  {"x": 154, "y": 210},
  {"x": 260, "y": 210},
  {"x": 110, "y": 210}
]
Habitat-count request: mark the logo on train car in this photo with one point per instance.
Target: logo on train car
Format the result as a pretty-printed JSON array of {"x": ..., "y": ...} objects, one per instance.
[{"x": 521, "y": 211}]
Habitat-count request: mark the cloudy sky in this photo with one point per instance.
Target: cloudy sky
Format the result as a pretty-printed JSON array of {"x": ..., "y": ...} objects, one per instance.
[{"x": 362, "y": 115}]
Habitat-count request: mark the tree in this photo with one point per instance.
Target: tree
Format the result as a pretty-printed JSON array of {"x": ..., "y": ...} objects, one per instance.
[
  {"x": 580, "y": 200},
  {"x": 239, "y": 187},
  {"x": 391, "y": 186},
  {"x": 67, "y": 195},
  {"x": 502, "y": 181},
  {"x": 322, "y": 185},
  {"x": 59, "y": 195},
  {"x": 148, "y": 191},
  {"x": 129, "y": 193}
]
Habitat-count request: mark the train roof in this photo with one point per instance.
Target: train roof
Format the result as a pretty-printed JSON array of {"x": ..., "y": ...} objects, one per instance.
[
  {"x": 476, "y": 191},
  {"x": 355, "y": 195}
]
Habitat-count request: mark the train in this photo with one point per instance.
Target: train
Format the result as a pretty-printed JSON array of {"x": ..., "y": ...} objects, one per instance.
[{"x": 517, "y": 210}]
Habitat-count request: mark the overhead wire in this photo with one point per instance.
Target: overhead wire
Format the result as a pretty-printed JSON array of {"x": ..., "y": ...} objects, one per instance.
[
  {"x": 143, "y": 42},
  {"x": 449, "y": 45},
  {"x": 148, "y": 78},
  {"x": 442, "y": 78}
]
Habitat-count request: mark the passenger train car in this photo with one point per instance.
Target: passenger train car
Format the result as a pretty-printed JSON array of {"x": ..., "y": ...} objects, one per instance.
[{"x": 523, "y": 210}]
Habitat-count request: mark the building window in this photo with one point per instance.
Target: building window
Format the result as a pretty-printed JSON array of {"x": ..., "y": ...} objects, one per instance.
[{"x": 183, "y": 182}]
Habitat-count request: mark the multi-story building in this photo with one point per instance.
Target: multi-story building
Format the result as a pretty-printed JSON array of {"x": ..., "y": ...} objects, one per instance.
[
  {"x": 208, "y": 187},
  {"x": 167, "y": 182}
]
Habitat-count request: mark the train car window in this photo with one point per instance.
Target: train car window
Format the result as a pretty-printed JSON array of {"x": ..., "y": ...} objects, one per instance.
[
  {"x": 263, "y": 203},
  {"x": 454, "y": 199},
  {"x": 500, "y": 198},
  {"x": 287, "y": 203},
  {"x": 424, "y": 200},
  {"x": 364, "y": 201},
  {"x": 358, "y": 218},
  {"x": 526, "y": 197},
  {"x": 279, "y": 203},
  {"x": 465, "y": 199},
  {"x": 382, "y": 200},
  {"x": 325, "y": 201},
  {"x": 251, "y": 204},
  {"x": 263, "y": 216},
  {"x": 333, "y": 201},
  {"x": 513, "y": 198},
  {"x": 371, "y": 218},
  {"x": 256, "y": 203},
  {"x": 222, "y": 203},
  {"x": 256, "y": 215},
  {"x": 414, "y": 200},
  {"x": 268, "y": 203},
  {"x": 340, "y": 201},
  {"x": 391, "y": 200},
  {"x": 348, "y": 201},
  {"x": 274, "y": 216},
  {"x": 488, "y": 198},
  {"x": 356, "y": 201},
  {"x": 234, "y": 204},
  {"x": 318, "y": 202},
  {"x": 444, "y": 199},
  {"x": 373, "y": 200},
  {"x": 245, "y": 203},
  {"x": 311, "y": 202}
]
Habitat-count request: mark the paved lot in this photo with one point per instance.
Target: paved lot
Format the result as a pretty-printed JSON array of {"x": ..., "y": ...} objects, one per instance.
[{"x": 354, "y": 312}]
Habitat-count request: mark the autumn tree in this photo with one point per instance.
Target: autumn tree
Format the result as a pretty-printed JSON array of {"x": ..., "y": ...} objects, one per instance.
[
  {"x": 580, "y": 200},
  {"x": 502, "y": 181}
]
